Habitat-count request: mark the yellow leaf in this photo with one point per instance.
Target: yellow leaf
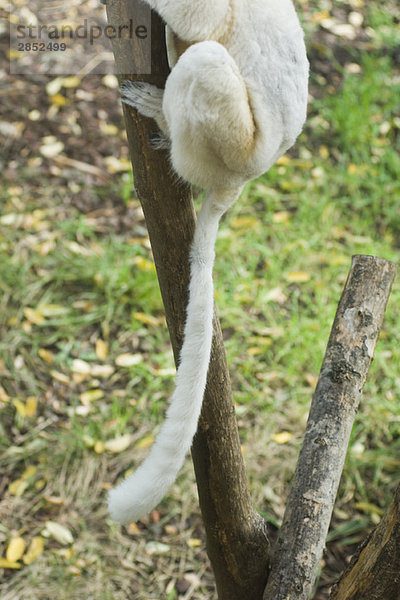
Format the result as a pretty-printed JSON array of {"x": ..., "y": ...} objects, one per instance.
[
  {"x": 17, "y": 487},
  {"x": 128, "y": 360},
  {"x": 35, "y": 549},
  {"x": 99, "y": 447},
  {"x": 311, "y": 379},
  {"x": 282, "y": 216},
  {"x": 29, "y": 472},
  {"x": 6, "y": 564},
  {"x": 148, "y": 319},
  {"x": 13, "y": 55},
  {"x": 20, "y": 406},
  {"x": 46, "y": 355},
  {"x": 318, "y": 17},
  {"x": 109, "y": 129},
  {"x": 91, "y": 396},
  {"x": 34, "y": 316},
  {"x": 254, "y": 351},
  {"x": 369, "y": 508},
  {"x": 283, "y": 160},
  {"x": 324, "y": 152},
  {"x": 115, "y": 165},
  {"x": 283, "y": 437},
  {"x": 194, "y": 543},
  {"x": 4, "y": 397},
  {"x": 298, "y": 277},
  {"x": 118, "y": 444},
  {"x": 60, "y": 377},
  {"x": 145, "y": 442},
  {"x": 58, "y": 100},
  {"x": 71, "y": 82},
  {"x": 31, "y": 406},
  {"x": 244, "y": 222},
  {"x": 101, "y": 349},
  {"x": 133, "y": 529},
  {"x": 144, "y": 264},
  {"x": 15, "y": 549},
  {"x": 352, "y": 169}
]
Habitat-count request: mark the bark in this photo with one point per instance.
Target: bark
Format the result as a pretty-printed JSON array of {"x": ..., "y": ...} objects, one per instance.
[
  {"x": 374, "y": 573},
  {"x": 236, "y": 535},
  {"x": 349, "y": 353}
]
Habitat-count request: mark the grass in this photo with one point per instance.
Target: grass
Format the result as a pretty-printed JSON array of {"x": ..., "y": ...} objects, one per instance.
[{"x": 85, "y": 359}]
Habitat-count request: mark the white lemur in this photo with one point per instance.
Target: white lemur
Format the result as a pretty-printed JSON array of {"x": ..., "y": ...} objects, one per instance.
[{"x": 234, "y": 102}]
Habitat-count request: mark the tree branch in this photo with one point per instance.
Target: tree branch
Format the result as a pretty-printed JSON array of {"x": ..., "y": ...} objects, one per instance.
[
  {"x": 236, "y": 534},
  {"x": 344, "y": 370},
  {"x": 374, "y": 572}
]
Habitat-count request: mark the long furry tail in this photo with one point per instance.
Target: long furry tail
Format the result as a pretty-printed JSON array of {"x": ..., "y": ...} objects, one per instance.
[{"x": 144, "y": 489}]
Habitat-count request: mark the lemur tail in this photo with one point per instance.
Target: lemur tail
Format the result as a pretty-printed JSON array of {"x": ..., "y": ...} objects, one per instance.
[{"x": 144, "y": 489}]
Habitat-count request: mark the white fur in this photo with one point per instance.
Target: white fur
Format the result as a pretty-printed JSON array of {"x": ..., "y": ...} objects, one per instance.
[{"x": 233, "y": 103}]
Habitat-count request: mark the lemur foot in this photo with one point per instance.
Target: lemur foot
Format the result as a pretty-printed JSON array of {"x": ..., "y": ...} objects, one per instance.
[{"x": 146, "y": 98}]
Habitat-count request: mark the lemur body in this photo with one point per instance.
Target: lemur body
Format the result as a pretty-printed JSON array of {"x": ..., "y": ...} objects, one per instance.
[{"x": 234, "y": 102}]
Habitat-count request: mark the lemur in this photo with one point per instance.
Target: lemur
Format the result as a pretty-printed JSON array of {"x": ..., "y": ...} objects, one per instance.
[{"x": 234, "y": 102}]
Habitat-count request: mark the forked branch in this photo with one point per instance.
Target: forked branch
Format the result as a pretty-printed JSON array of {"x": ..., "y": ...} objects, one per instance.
[{"x": 343, "y": 373}]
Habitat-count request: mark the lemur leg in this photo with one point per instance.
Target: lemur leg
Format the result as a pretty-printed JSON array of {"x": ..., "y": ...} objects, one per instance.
[
  {"x": 193, "y": 20},
  {"x": 209, "y": 117}
]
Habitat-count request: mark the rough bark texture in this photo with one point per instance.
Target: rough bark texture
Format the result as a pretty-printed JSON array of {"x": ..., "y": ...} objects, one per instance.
[
  {"x": 236, "y": 535},
  {"x": 348, "y": 356},
  {"x": 374, "y": 573}
]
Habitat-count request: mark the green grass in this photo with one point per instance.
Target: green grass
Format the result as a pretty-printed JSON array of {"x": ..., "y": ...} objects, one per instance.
[{"x": 283, "y": 255}]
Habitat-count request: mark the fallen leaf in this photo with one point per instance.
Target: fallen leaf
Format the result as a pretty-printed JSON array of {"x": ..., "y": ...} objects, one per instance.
[
  {"x": 128, "y": 360},
  {"x": 145, "y": 442},
  {"x": 31, "y": 406},
  {"x": 282, "y": 438},
  {"x": 298, "y": 277},
  {"x": 51, "y": 146},
  {"x": 148, "y": 319},
  {"x": 20, "y": 406},
  {"x": 102, "y": 370},
  {"x": 6, "y": 564},
  {"x": 46, "y": 355},
  {"x": 244, "y": 223},
  {"x": 156, "y": 548},
  {"x": 17, "y": 487},
  {"x": 144, "y": 264},
  {"x": 99, "y": 447},
  {"x": 35, "y": 549},
  {"x": 91, "y": 396},
  {"x": 60, "y": 377},
  {"x": 15, "y": 549},
  {"x": 34, "y": 316},
  {"x": 71, "y": 82},
  {"x": 54, "y": 86},
  {"x": 81, "y": 366},
  {"x": 60, "y": 533},
  {"x": 194, "y": 543},
  {"x": 101, "y": 349},
  {"x": 118, "y": 444},
  {"x": 282, "y": 216}
]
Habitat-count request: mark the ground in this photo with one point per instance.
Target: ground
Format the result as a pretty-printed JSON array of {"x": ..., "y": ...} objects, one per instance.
[{"x": 85, "y": 363}]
